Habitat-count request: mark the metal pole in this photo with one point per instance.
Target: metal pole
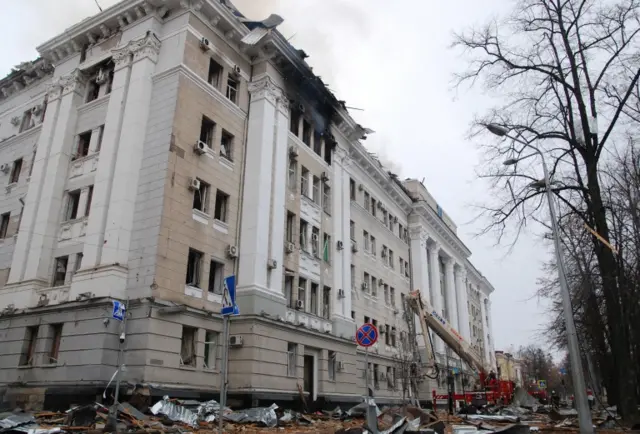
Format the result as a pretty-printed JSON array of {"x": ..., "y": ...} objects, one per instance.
[
  {"x": 223, "y": 370},
  {"x": 113, "y": 411},
  {"x": 582, "y": 405}
]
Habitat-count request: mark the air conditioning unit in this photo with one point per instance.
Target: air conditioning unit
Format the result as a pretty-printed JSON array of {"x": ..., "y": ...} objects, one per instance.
[
  {"x": 232, "y": 251},
  {"x": 365, "y": 286},
  {"x": 272, "y": 264},
  {"x": 235, "y": 341},
  {"x": 299, "y": 304},
  {"x": 354, "y": 246},
  {"x": 340, "y": 365},
  {"x": 204, "y": 44},
  {"x": 290, "y": 247},
  {"x": 360, "y": 187},
  {"x": 5, "y": 168},
  {"x": 314, "y": 237},
  {"x": 380, "y": 282},
  {"x": 340, "y": 293},
  {"x": 194, "y": 184},
  {"x": 395, "y": 219},
  {"x": 379, "y": 205},
  {"x": 383, "y": 376},
  {"x": 101, "y": 77},
  {"x": 339, "y": 245},
  {"x": 324, "y": 177},
  {"x": 200, "y": 147},
  {"x": 293, "y": 152},
  {"x": 396, "y": 311}
]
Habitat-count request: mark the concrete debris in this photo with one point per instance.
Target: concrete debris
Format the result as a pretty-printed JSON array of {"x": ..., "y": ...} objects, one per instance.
[{"x": 521, "y": 398}]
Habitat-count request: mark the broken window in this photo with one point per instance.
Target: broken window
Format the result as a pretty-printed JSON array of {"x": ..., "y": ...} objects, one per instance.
[
  {"x": 82, "y": 147},
  {"x": 391, "y": 259},
  {"x": 87, "y": 207},
  {"x": 376, "y": 376},
  {"x": 207, "y": 131},
  {"x": 99, "y": 141},
  {"x": 317, "y": 143},
  {"x": 288, "y": 288},
  {"x": 390, "y": 380},
  {"x": 387, "y": 335},
  {"x": 294, "y": 125},
  {"x": 73, "y": 200},
  {"x": 60, "y": 270},
  {"x": 352, "y": 189},
  {"x": 293, "y": 173},
  {"x": 326, "y": 302},
  {"x": 194, "y": 268},
  {"x": 326, "y": 199},
  {"x": 316, "y": 190},
  {"x": 386, "y": 293},
  {"x": 374, "y": 249},
  {"x": 374, "y": 286},
  {"x": 373, "y": 206},
  {"x": 393, "y": 337},
  {"x": 304, "y": 181},
  {"x": 222, "y": 205},
  {"x": 353, "y": 315},
  {"x": 353, "y": 276},
  {"x": 215, "y": 72},
  {"x": 328, "y": 149},
  {"x": 306, "y": 132},
  {"x": 392, "y": 295},
  {"x": 302, "y": 292},
  {"x": 201, "y": 197},
  {"x": 56, "y": 336},
  {"x": 232, "y": 89},
  {"x": 78, "y": 262},
  {"x": 352, "y": 229},
  {"x": 216, "y": 277},
  {"x": 314, "y": 298},
  {"x": 304, "y": 228},
  {"x": 4, "y": 224},
  {"x": 15, "y": 171},
  {"x": 27, "y": 121},
  {"x": 291, "y": 223},
  {"x": 367, "y": 320},
  {"x": 367, "y": 201},
  {"x": 188, "y": 346},
  {"x": 93, "y": 90},
  {"x": 315, "y": 242},
  {"x": 29, "y": 346},
  {"x": 367, "y": 282},
  {"x": 210, "y": 346},
  {"x": 331, "y": 368},
  {"x": 226, "y": 145},
  {"x": 367, "y": 241},
  {"x": 326, "y": 248},
  {"x": 292, "y": 350}
]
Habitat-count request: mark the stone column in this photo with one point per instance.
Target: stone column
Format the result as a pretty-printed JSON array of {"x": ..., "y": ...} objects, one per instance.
[
  {"x": 253, "y": 292},
  {"x": 450, "y": 293},
  {"x": 343, "y": 325},
  {"x": 278, "y": 195},
  {"x": 492, "y": 352},
  {"x": 485, "y": 330},
  {"x": 436, "y": 292},
  {"x": 463, "y": 308},
  {"x": 37, "y": 182},
  {"x": 54, "y": 167},
  {"x": 419, "y": 262}
]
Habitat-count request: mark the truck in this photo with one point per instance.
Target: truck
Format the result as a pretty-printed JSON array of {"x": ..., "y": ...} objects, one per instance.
[{"x": 490, "y": 390}]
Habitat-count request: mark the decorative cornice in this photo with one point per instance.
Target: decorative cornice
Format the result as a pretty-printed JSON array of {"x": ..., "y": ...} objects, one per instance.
[
  {"x": 65, "y": 84},
  {"x": 145, "y": 47},
  {"x": 283, "y": 105},
  {"x": 441, "y": 228}
]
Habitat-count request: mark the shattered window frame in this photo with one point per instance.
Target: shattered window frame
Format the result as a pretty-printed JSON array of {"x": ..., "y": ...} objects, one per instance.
[{"x": 188, "y": 356}]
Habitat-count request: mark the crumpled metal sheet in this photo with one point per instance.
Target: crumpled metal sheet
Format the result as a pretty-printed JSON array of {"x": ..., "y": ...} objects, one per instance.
[
  {"x": 36, "y": 429},
  {"x": 207, "y": 411},
  {"x": 361, "y": 409},
  {"x": 394, "y": 427},
  {"x": 263, "y": 415},
  {"x": 16, "y": 420},
  {"x": 175, "y": 412},
  {"x": 413, "y": 425},
  {"x": 496, "y": 418}
]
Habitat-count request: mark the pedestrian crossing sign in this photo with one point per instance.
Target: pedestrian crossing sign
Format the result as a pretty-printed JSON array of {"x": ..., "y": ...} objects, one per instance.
[{"x": 229, "y": 306}]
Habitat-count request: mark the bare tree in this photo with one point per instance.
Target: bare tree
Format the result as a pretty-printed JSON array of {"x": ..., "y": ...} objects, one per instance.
[{"x": 567, "y": 72}]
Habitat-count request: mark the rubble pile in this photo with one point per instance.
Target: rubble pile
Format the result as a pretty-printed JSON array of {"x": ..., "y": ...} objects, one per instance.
[{"x": 188, "y": 416}]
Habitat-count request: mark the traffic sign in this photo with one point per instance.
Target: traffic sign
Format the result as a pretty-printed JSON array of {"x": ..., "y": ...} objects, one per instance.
[
  {"x": 118, "y": 310},
  {"x": 367, "y": 335},
  {"x": 229, "y": 306},
  {"x": 542, "y": 384}
]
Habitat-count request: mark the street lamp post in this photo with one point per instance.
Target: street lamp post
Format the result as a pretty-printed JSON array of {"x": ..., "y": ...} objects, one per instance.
[{"x": 582, "y": 405}]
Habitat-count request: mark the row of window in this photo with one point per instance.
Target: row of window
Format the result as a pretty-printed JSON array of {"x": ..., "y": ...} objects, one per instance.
[
  {"x": 379, "y": 373},
  {"x": 370, "y": 285},
  {"x": 195, "y": 272},
  {"x": 28, "y": 353},
  {"x": 201, "y": 201},
  {"x": 373, "y": 206},
  {"x": 208, "y": 130},
  {"x": 316, "y": 303},
  {"x": 83, "y": 143},
  {"x": 215, "y": 78},
  {"x": 312, "y": 187},
  {"x": 303, "y": 129},
  {"x": 386, "y": 254}
]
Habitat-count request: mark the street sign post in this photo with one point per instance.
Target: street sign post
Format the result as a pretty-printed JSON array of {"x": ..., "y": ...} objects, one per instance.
[
  {"x": 542, "y": 384},
  {"x": 366, "y": 336},
  {"x": 229, "y": 308}
]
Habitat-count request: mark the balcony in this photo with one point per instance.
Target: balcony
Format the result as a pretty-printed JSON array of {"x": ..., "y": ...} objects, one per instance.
[
  {"x": 73, "y": 229},
  {"x": 83, "y": 166}
]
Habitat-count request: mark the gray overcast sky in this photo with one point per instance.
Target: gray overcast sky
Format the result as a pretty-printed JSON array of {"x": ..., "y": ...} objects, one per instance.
[{"x": 391, "y": 59}]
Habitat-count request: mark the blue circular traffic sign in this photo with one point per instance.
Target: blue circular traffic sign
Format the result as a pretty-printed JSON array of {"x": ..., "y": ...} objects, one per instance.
[{"x": 367, "y": 335}]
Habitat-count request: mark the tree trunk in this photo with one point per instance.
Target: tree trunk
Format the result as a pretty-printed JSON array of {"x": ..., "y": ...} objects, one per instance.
[{"x": 625, "y": 376}]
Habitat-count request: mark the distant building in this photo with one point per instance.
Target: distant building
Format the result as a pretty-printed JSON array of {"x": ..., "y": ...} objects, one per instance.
[
  {"x": 160, "y": 146},
  {"x": 509, "y": 367}
]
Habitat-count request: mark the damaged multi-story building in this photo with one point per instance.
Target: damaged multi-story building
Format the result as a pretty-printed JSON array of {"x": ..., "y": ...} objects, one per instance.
[{"x": 160, "y": 146}]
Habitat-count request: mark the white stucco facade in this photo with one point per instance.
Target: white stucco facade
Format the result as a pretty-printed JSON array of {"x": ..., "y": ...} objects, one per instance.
[{"x": 125, "y": 127}]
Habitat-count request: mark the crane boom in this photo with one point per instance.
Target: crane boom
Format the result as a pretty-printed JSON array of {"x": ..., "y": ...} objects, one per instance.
[{"x": 431, "y": 319}]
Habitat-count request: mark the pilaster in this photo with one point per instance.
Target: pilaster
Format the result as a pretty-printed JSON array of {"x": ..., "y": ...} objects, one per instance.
[
  {"x": 492, "y": 352},
  {"x": 55, "y": 167},
  {"x": 463, "y": 308},
  {"x": 485, "y": 330},
  {"x": 450, "y": 293},
  {"x": 419, "y": 261},
  {"x": 436, "y": 291},
  {"x": 254, "y": 294}
]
